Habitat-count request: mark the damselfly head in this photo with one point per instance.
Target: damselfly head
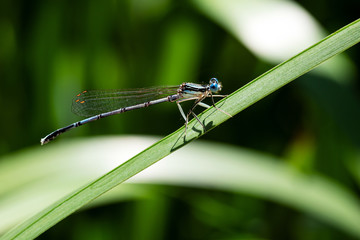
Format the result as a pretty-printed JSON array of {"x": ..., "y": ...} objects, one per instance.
[{"x": 215, "y": 85}]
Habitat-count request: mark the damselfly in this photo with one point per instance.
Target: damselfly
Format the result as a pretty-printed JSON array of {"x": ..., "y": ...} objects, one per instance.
[{"x": 98, "y": 104}]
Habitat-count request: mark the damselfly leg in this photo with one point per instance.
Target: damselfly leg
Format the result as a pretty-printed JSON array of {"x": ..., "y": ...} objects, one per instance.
[{"x": 200, "y": 103}]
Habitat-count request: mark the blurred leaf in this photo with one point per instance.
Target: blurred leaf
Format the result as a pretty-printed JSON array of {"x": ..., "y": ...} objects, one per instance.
[
  {"x": 236, "y": 102},
  {"x": 334, "y": 109},
  {"x": 202, "y": 164},
  {"x": 274, "y": 30},
  {"x": 68, "y": 70},
  {"x": 181, "y": 47}
]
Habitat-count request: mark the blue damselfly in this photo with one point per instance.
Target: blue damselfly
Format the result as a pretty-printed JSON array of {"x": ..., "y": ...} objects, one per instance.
[{"x": 96, "y": 104}]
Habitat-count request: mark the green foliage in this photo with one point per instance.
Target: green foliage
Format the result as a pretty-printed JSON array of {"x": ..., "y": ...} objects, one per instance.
[{"x": 310, "y": 128}]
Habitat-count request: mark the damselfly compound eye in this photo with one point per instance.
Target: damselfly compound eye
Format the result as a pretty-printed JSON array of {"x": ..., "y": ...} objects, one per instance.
[{"x": 215, "y": 86}]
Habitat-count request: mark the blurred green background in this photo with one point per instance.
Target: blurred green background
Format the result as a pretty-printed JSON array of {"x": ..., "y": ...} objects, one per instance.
[{"x": 52, "y": 50}]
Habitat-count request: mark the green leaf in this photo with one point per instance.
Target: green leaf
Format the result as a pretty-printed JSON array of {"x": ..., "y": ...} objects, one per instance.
[
  {"x": 201, "y": 165},
  {"x": 236, "y": 102}
]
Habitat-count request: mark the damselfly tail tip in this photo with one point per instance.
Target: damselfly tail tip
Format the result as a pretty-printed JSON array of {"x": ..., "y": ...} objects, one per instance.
[{"x": 44, "y": 141}]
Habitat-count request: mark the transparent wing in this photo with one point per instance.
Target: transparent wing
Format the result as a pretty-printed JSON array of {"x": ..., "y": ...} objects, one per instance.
[{"x": 93, "y": 102}]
